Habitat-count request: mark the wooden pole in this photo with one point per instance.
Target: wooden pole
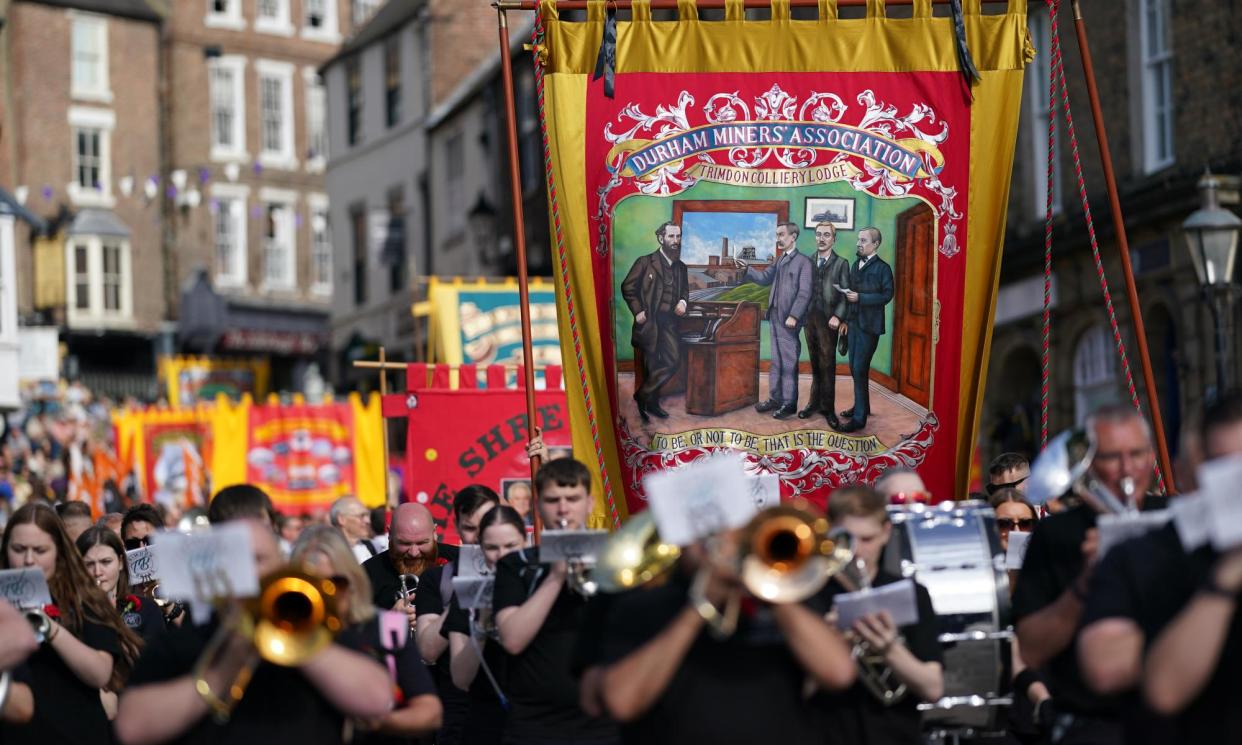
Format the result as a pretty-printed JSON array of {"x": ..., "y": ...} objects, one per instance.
[
  {"x": 1123, "y": 246},
  {"x": 383, "y": 366},
  {"x": 519, "y": 241}
]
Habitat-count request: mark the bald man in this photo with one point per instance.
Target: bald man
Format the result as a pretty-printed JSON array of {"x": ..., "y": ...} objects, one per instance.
[{"x": 412, "y": 549}]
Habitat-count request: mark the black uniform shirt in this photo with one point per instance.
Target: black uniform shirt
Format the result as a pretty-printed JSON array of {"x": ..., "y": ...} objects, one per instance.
[
  {"x": 67, "y": 710},
  {"x": 747, "y": 688},
  {"x": 542, "y": 688},
  {"x": 1053, "y": 562},
  {"x": 856, "y": 715}
]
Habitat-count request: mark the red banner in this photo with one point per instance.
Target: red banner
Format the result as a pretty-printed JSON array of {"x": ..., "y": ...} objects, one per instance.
[
  {"x": 464, "y": 436},
  {"x": 302, "y": 456}
]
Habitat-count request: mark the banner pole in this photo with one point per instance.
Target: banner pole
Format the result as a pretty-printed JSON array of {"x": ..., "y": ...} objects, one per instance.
[
  {"x": 1123, "y": 246},
  {"x": 519, "y": 241}
]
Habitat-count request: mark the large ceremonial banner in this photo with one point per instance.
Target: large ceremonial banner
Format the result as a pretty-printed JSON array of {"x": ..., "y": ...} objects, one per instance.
[
  {"x": 480, "y": 323},
  {"x": 789, "y": 241}
]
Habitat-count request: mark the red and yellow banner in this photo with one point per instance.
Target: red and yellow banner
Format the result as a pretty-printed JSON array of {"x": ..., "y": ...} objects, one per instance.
[{"x": 779, "y": 237}]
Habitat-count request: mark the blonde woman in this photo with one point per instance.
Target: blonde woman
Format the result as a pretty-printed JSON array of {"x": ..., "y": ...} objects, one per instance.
[{"x": 322, "y": 551}]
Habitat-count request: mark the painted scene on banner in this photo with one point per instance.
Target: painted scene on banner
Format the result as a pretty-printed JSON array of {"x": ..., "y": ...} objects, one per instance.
[{"x": 780, "y": 258}]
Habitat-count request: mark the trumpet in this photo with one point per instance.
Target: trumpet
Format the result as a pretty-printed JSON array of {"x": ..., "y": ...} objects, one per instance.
[
  {"x": 877, "y": 677},
  {"x": 39, "y": 623},
  {"x": 788, "y": 553},
  {"x": 581, "y": 573},
  {"x": 409, "y": 586},
  {"x": 293, "y": 619}
]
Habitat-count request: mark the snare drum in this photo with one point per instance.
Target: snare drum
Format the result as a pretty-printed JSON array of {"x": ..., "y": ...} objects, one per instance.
[{"x": 953, "y": 550}]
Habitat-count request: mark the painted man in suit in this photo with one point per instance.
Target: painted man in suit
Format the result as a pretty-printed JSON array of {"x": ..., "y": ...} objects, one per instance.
[
  {"x": 823, "y": 323},
  {"x": 790, "y": 277},
  {"x": 657, "y": 290},
  {"x": 871, "y": 288}
]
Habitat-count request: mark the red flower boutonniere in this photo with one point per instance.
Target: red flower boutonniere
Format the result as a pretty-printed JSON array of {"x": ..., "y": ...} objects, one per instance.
[
  {"x": 132, "y": 604},
  {"x": 51, "y": 611},
  {"x": 441, "y": 561}
]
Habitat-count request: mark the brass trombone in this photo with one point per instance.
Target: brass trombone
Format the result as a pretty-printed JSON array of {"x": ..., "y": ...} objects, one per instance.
[
  {"x": 788, "y": 553},
  {"x": 293, "y": 618},
  {"x": 634, "y": 556}
]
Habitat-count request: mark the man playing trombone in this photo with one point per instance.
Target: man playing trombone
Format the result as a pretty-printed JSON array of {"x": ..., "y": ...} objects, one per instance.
[
  {"x": 173, "y": 696},
  {"x": 899, "y": 667}
]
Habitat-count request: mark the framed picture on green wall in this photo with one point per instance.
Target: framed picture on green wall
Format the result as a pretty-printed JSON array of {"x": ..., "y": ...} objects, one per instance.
[{"x": 839, "y": 212}]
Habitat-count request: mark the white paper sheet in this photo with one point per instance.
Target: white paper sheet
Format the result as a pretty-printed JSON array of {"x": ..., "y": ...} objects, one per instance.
[
  {"x": 700, "y": 499},
  {"x": 1116, "y": 529},
  {"x": 141, "y": 564},
  {"x": 1016, "y": 553},
  {"x": 25, "y": 588},
  {"x": 471, "y": 562},
  {"x": 1193, "y": 520},
  {"x": 583, "y": 545},
  {"x": 1219, "y": 482},
  {"x": 204, "y": 565},
  {"x": 473, "y": 592},
  {"x": 897, "y": 598}
]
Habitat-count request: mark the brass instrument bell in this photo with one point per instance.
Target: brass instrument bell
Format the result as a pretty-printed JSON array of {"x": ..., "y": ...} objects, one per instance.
[{"x": 634, "y": 556}]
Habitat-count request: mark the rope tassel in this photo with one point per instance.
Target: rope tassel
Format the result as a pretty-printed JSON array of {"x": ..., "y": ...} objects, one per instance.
[{"x": 965, "y": 63}]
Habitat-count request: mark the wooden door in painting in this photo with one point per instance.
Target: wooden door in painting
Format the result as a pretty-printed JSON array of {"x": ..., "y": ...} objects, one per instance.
[{"x": 914, "y": 308}]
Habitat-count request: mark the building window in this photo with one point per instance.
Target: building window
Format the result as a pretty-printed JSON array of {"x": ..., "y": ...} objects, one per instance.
[
  {"x": 1041, "y": 109},
  {"x": 1095, "y": 372},
  {"x": 230, "y": 229},
  {"x": 272, "y": 16},
  {"x": 321, "y": 246},
  {"x": 99, "y": 279},
  {"x": 316, "y": 131},
  {"x": 224, "y": 14},
  {"x": 228, "y": 108},
  {"x": 81, "y": 277},
  {"x": 392, "y": 79},
  {"x": 88, "y": 158},
  {"x": 320, "y": 21},
  {"x": 353, "y": 74},
  {"x": 276, "y": 114},
  {"x": 90, "y": 58},
  {"x": 1157, "y": 72},
  {"x": 454, "y": 170},
  {"x": 111, "y": 277},
  {"x": 358, "y": 233},
  {"x": 394, "y": 244},
  {"x": 363, "y": 10},
  {"x": 279, "y": 252}
]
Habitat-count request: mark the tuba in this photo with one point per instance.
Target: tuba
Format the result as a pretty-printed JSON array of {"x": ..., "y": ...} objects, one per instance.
[
  {"x": 634, "y": 556},
  {"x": 788, "y": 553},
  {"x": 293, "y": 619}
]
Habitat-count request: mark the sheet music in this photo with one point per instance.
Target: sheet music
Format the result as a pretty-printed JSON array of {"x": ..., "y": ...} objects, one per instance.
[
  {"x": 1016, "y": 553},
  {"x": 474, "y": 592},
  {"x": 24, "y": 588},
  {"x": 897, "y": 598},
  {"x": 1117, "y": 529},
  {"x": 1193, "y": 520}
]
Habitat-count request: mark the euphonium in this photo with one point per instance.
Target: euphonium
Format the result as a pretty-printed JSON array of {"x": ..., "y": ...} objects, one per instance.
[
  {"x": 634, "y": 556},
  {"x": 1065, "y": 466},
  {"x": 877, "y": 677},
  {"x": 581, "y": 573},
  {"x": 293, "y": 618}
]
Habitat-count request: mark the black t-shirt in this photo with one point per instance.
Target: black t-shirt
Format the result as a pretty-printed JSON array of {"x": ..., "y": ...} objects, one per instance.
[
  {"x": 279, "y": 706},
  {"x": 412, "y": 677},
  {"x": 385, "y": 582},
  {"x": 747, "y": 688},
  {"x": 430, "y": 601},
  {"x": 66, "y": 710},
  {"x": 146, "y": 619},
  {"x": 458, "y": 619},
  {"x": 1053, "y": 562},
  {"x": 855, "y": 714},
  {"x": 541, "y": 686}
]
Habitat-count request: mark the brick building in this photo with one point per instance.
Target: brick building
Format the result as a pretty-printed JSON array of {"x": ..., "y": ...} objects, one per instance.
[
  {"x": 1171, "y": 89},
  {"x": 79, "y": 140}
]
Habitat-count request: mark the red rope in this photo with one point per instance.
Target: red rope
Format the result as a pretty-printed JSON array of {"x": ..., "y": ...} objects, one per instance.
[
  {"x": 1045, "y": 370},
  {"x": 1057, "y": 76},
  {"x": 537, "y": 38}
]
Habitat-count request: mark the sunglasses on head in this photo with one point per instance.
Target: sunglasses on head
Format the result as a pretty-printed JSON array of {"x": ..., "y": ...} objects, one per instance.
[
  {"x": 993, "y": 488},
  {"x": 1008, "y": 523},
  {"x": 135, "y": 543}
]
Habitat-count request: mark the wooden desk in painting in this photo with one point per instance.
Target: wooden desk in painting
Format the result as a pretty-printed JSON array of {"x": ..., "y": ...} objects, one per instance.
[{"x": 719, "y": 370}]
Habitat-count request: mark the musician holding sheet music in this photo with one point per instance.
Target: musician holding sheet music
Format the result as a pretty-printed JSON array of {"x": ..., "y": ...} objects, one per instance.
[{"x": 906, "y": 662}]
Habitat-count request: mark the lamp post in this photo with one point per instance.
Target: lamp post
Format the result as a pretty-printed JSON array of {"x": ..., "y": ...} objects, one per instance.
[
  {"x": 482, "y": 220},
  {"x": 1212, "y": 237}
]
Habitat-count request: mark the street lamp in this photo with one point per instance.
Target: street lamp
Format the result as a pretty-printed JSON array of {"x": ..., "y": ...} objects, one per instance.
[
  {"x": 1212, "y": 237},
  {"x": 482, "y": 219}
]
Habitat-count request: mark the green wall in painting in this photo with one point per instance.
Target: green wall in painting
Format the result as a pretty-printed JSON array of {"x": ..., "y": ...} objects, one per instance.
[{"x": 636, "y": 218}]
